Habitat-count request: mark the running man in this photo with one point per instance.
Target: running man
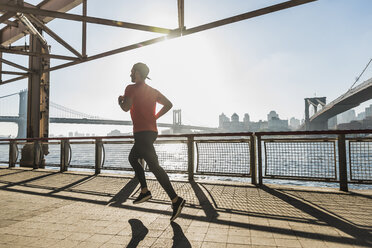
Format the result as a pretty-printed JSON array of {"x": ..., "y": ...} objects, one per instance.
[{"x": 141, "y": 100}]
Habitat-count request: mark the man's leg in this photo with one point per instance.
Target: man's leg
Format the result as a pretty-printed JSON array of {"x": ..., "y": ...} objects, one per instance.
[
  {"x": 147, "y": 151},
  {"x": 138, "y": 169}
]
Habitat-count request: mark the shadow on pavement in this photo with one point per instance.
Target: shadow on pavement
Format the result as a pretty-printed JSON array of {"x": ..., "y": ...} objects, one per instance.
[
  {"x": 362, "y": 236},
  {"x": 139, "y": 232},
  {"x": 179, "y": 238},
  {"x": 123, "y": 195},
  {"x": 208, "y": 208}
]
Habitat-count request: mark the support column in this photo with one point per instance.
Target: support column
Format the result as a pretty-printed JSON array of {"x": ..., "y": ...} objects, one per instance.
[
  {"x": 22, "y": 114},
  {"x": 37, "y": 102},
  {"x": 307, "y": 116}
]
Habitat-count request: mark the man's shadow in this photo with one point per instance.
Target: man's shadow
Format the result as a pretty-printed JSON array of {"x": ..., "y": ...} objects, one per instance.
[
  {"x": 179, "y": 238},
  {"x": 139, "y": 232}
]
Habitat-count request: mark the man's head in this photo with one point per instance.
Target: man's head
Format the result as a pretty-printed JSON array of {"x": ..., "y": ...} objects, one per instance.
[{"x": 139, "y": 72}]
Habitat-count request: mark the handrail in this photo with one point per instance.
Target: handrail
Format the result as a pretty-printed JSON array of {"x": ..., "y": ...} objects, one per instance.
[
  {"x": 332, "y": 132},
  {"x": 222, "y": 154}
]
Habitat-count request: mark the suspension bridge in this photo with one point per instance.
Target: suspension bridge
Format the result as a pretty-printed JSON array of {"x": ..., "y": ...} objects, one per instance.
[{"x": 13, "y": 109}]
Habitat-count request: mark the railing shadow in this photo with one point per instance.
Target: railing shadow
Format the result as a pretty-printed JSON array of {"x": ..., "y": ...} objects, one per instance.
[
  {"x": 360, "y": 234},
  {"x": 11, "y": 172},
  {"x": 139, "y": 232},
  {"x": 123, "y": 195},
  {"x": 179, "y": 238},
  {"x": 319, "y": 217},
  {"x": 208, "y": 208}
]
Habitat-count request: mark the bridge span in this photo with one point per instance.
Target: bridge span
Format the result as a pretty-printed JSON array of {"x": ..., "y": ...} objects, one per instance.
[
  {"x": 20, "y": 118},
  {"x": 351, "y": 99}
]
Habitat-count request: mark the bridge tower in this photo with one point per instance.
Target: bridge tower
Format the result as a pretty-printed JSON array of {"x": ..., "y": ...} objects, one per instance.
[
  {"x": 177, "y": 122},
  {"x": 22, "y": 114},
  {"x": 314, "y": 101},
  {"x": 38, "y": 98}
]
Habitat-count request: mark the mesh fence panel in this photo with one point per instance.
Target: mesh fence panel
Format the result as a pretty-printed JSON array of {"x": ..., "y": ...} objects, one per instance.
[
  {"x": 82, "y": 155},
  {"x": 172, "y": 156},
  {"x": 360, "y": 160},
  {"x": 300, "y": 159},
  {"x": 54, "y": 156},
  {"x": 223, "y": 157},
  {"x": 116, "y": 156},
  {"x": 4, "y": 153}
]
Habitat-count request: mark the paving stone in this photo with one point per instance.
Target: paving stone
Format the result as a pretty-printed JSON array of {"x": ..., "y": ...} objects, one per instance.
[{"x": 48, "y": 212}]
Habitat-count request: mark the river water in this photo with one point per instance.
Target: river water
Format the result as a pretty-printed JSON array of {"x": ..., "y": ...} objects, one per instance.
[{"x": 213, "y": 158}]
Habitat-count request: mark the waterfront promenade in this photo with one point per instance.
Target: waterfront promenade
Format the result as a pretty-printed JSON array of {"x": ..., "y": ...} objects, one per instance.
[{"x": 43, "y": 208}]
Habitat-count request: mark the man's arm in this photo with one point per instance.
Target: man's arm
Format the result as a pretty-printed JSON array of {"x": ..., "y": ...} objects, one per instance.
[
  {"x": 125, "y": 103},
  {"x": 167, "y": 105}
]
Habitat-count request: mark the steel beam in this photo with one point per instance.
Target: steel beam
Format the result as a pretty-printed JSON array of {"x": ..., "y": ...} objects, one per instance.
[
  {"x": 9, "y": 34},
  {"x": 6, "y": 16},
  {"x": 19, "y": 52},
  {"x": 88, "y": 19},
  {"x": 115, "y": 51},
  {"x": 41, "y": 25},
  {"x": 181, "y": 15},
  {"x": 247, "y": 15},
  {"x": 14, "y": 65},
  {"x": 13, "y": 80},
  {"x": 14, "y": 73},
  {"x": 84, "y": 31}
]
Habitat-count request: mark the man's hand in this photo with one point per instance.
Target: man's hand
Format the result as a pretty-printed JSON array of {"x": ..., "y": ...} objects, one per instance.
[
  {"x": 120, "y": 99},
  {"x": 125, "y": 103}
]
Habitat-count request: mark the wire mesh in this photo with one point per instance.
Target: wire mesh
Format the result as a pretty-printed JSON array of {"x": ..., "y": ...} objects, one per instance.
[
  {"x": 4, "y": 153},
  {"x": 300, "y": 159},
  {"x": 172, "y": 156},
  {"x": 116, "y": 156},
  {"x": 82, "y": 155},
  {"x": 53, "y": 158},
  {"x": 223, "y": 157},
  {"x": 360, "y": 155}
]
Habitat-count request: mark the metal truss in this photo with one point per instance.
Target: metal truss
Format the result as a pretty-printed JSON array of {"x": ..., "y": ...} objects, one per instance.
[{"x": 17, "y": 13}]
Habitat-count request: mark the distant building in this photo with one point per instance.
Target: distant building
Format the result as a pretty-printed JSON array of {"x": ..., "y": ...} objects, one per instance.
[
  {"x": 361, "y": 116},
  {"x": 117, "y": 133},
  {"x": 347, "y": 116},
  {"x": 332, "y": 123},
  {"x": 274, "y": 123},
  {"x": 368, "y": 112},
  {"x": 77, "y": 134},
  {"x": 272, "y": 115},
  {"x": 235, "y": 125},
  {"x": 70, "y": 134},
  {"x": 294, "y": 123}
]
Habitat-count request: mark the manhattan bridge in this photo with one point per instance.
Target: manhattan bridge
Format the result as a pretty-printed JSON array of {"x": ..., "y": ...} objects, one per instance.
[{"x": 13, "y": 109}]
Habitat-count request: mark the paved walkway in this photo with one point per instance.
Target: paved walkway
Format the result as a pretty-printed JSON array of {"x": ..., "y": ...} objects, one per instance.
[{"x": 40, "y": 208}]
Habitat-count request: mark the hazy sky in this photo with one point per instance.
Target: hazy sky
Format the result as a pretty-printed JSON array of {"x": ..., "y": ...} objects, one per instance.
[{"x": 254, "y": 66}]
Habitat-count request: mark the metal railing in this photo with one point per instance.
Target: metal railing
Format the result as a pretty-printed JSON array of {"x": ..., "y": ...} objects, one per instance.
[{"x": 327, "y": 156}]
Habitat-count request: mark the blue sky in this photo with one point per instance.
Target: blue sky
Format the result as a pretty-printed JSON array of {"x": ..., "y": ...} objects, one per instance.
[{"x": 254, "y": 66}]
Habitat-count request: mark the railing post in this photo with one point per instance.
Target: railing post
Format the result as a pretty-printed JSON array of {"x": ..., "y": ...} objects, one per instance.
[
  {"x": 342, "y": 162},
  {"x": 190, "y": 155},
  {"x": 12, "y": 153},
  {"x": 259, "y": 159},
  {"x": 98, "y": 164},
  {"x": 65, "y": 154},
  {"x": 252, "y": 154},
  {"x": 37, "y": 154}
]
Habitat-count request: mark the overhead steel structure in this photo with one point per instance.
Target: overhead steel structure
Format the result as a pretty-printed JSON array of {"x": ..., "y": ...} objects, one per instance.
[{"x": 21, "y": 18}]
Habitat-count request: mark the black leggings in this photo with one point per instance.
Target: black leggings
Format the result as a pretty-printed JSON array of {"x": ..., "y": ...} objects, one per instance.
[{"x": 144, "y": 148}]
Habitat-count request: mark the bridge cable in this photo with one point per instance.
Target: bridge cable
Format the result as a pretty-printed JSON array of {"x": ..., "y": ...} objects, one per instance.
[
  {"x": 357, "y": 79},
  {"x": 9, "y": 95}
]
